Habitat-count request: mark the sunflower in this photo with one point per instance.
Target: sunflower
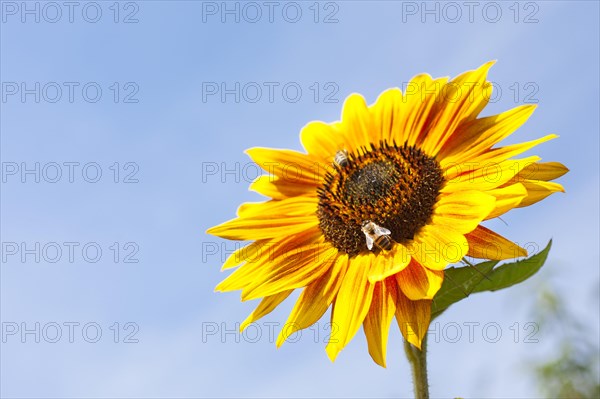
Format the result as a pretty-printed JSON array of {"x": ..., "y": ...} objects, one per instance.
[{"x": 382, "y": 201}]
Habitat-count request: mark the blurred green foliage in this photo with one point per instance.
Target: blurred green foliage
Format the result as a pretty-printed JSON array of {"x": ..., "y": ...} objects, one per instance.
[{"x": 573, "y": 371}]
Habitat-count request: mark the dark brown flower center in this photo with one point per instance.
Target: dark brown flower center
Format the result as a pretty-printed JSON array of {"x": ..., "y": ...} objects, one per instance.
[{"x": 393, "y": 186}]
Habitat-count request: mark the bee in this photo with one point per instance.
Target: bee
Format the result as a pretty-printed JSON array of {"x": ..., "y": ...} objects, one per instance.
[
  {"x": 380, "y": 236},
  {"x": 341, "y": 158}
]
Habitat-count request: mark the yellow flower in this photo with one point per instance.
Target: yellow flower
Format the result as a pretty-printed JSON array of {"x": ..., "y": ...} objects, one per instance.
[{"x": 383, "y": 200}]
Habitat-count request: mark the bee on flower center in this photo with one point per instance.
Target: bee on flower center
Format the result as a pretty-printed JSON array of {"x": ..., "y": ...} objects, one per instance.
[
  {"x": 341, "y": 158},
  {"x": 374, "y": 234}
]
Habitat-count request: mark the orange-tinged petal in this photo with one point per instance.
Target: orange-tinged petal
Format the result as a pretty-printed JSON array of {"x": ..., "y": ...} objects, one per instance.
[
  {"x": 413, "y": 318},
  {"x": 486, "y": 244},
  {"x": 418, "y": 282},
  {"x": 351, "y": 305},
  {"x": 378, "y": 320}
]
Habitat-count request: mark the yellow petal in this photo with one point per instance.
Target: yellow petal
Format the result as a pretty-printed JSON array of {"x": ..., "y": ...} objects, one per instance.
[
  {"x": 322, "y": 140},
  {"x": 378, "y": 320},
  {"x": 278, "y": 188},
  {"x": 314, "y": 300},
  {"x": 484, "y": 176},
  {"x": 503, "y": 153},
  {"x": 244, "y": 254},
  {"x": 263, "y": 227},
  {"x": 486, "y": 244},
  {"x": 386, "y": 114},
  {"x": 435, "y": 248},
  {"x": 479, "y": 135},
  {"x": 289, "y": 165},
  {"x": 418, "y": 282},
  {"x": 351, "y": 305},
  {"x": 538, "y": 190},
  {"x": 241, "y": 277},
  {"x": 341, "y": 265},
  {"x": 390, "y": 264},
  {"x": 296, "y": 206},
  {"x": 265, "y": 307},
  {"x": 268, "y": 252},
  {"x": 545, "y": 171},
  {"x": 290, "y": 271},
  {"x": 464, "y": 97},
  {"x": 421, "y": 95},
  {"x": 507, "y": 198},
  {"x": 356, "y": 123},
  {"x": 463, "y": 210}
]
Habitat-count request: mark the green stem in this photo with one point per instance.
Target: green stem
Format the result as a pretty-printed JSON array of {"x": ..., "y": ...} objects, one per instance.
[{"x": 418, "y": 363}]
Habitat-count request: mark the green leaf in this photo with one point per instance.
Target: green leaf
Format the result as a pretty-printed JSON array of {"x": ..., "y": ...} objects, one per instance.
[
  {"x": 513, "y": 273},
  {"x": 460, "y": 282}
]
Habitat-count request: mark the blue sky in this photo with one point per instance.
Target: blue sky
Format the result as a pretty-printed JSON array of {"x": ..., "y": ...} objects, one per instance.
[{"x": 132, "y": 100}]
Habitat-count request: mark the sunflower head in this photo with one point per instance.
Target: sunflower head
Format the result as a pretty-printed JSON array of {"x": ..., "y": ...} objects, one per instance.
[{"x": 382, "y": 201}]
